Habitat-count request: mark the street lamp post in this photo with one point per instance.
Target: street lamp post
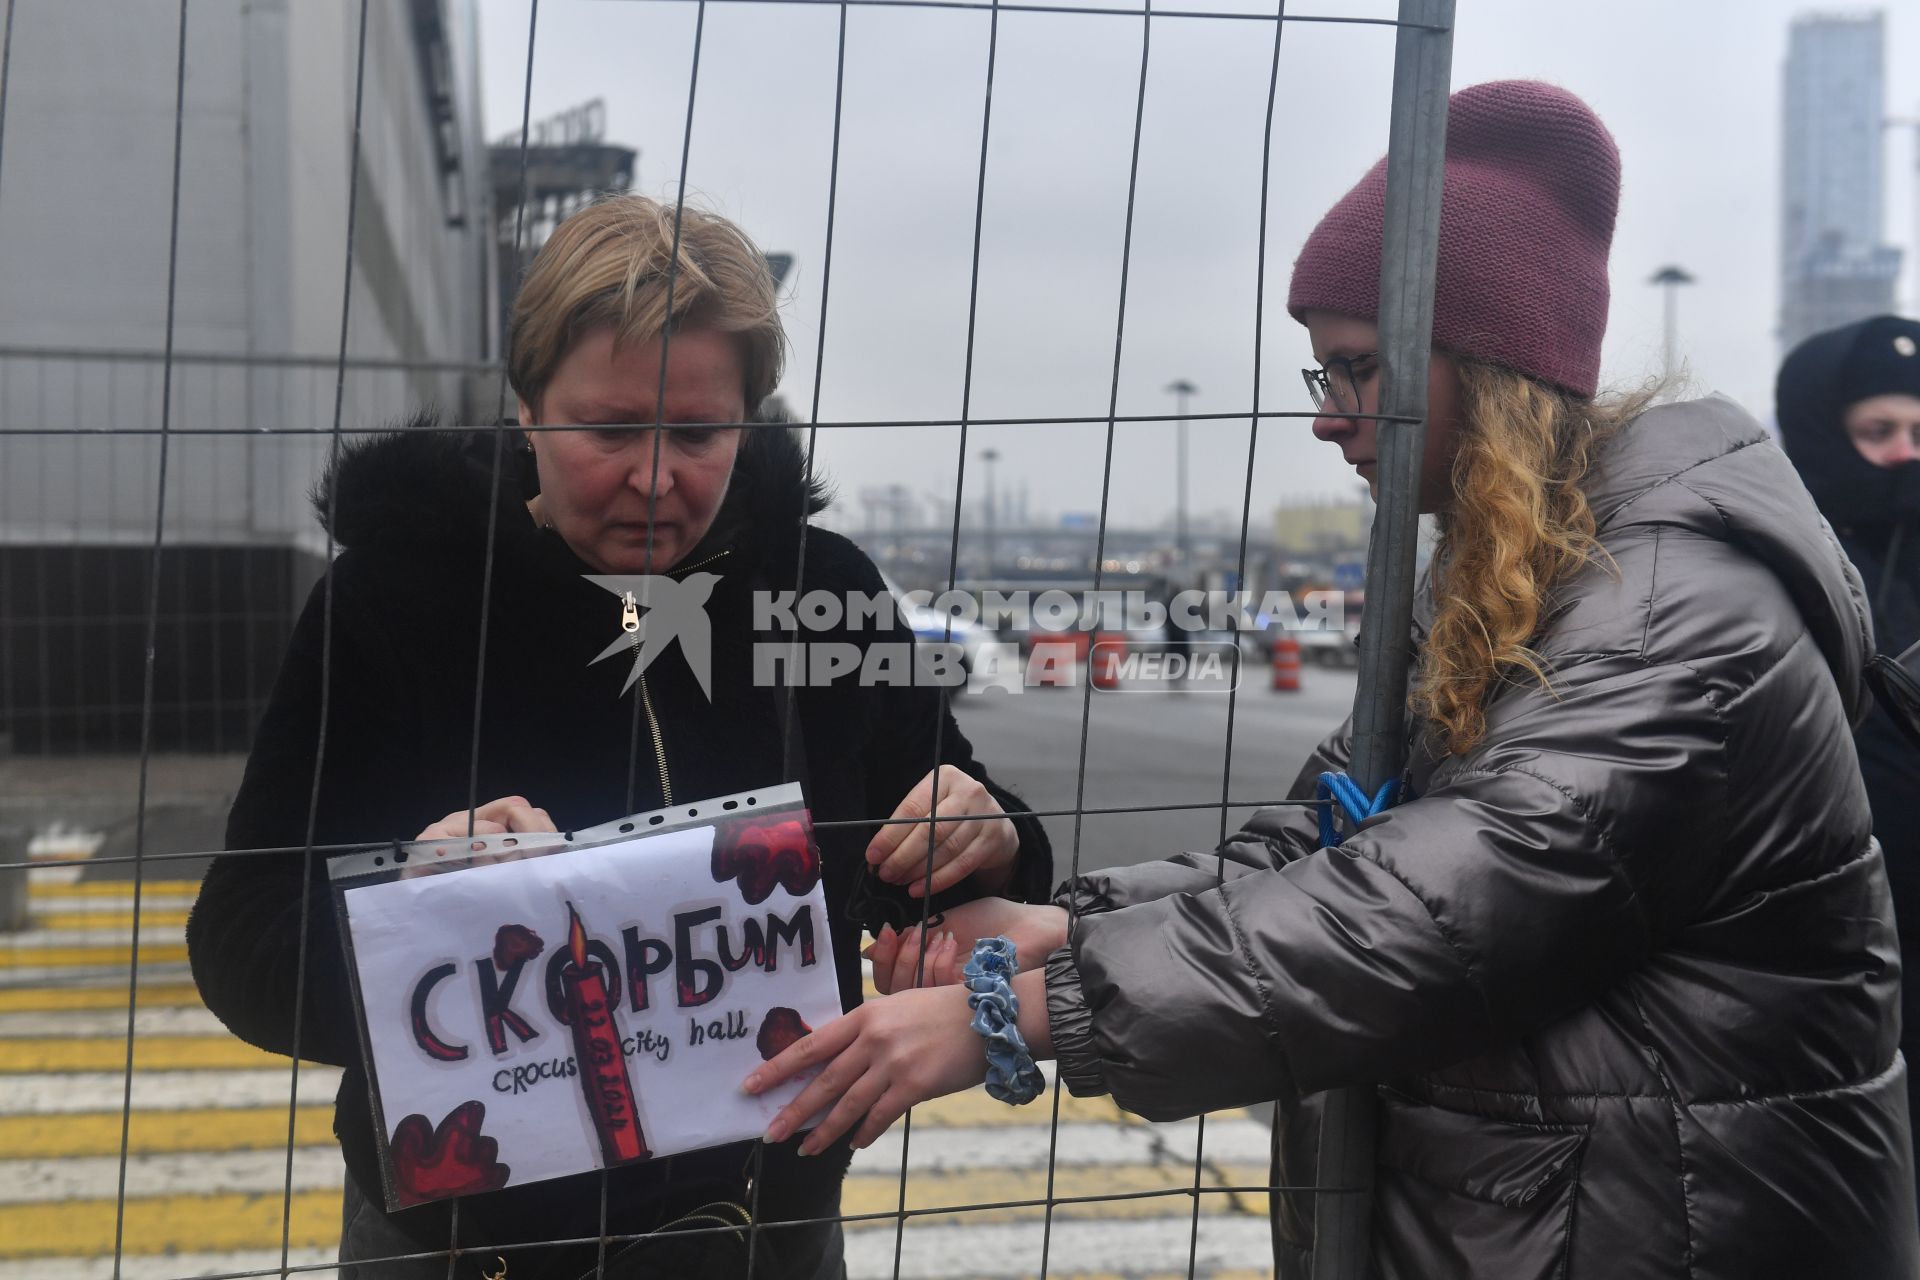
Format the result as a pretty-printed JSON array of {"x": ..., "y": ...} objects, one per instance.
[
  {"x": 1181, "y": 389},
  {"x": 1670, "y": 278},
  {"x": 989, "y": 457}
]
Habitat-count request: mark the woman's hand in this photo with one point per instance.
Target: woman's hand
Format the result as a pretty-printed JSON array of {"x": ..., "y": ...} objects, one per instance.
[
  {"x": 1035, "y": 931},
  {"x": 972, "y": 837},
  {"x": 882, "y": 1058},
  {"x": 508, "y": 813},
  {"x": 495, "y": 817}
]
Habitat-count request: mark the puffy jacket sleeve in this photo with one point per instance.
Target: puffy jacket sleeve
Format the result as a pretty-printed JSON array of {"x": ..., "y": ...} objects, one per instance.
[
  {"x": 1535, "y": 873},
  {"x": 244, "y": 936}
]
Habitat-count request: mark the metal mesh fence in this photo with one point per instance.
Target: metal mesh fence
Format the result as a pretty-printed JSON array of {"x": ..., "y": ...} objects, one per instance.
[{"x": 156, "y": 545}]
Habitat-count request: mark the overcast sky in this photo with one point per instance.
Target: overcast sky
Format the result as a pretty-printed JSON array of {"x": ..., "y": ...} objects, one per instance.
[{"x": 1691, "y": 91}]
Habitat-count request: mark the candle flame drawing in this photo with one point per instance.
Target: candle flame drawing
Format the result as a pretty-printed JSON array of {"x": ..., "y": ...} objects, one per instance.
[
  {"x": 596, "y": 1047},
  {"x": 576, "y": 938}
]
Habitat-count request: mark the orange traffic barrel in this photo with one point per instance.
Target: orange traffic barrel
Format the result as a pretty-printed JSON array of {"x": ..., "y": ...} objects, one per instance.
[
  {"x": 1103, "y": 663},
  {"x": 1286, "y": 664}
]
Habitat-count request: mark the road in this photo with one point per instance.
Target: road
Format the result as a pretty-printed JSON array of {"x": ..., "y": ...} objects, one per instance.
[
  {"x": 1147, "y": 748},
  {"x": 210, "y": 1188}
]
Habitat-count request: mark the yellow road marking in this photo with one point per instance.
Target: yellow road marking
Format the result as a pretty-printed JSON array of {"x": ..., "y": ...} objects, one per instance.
[
  {"x": 54, "y": 999},
  {"x": 1159, "y": 1275},
  {"x": 151, "y": 1053},
  {"x": 975, "y": 1110},
  {"x": 234, "y": 1221},
  {"x": 211, "y": 1129},
  {"x": 122, "y": 921},
  {"x": 91, "y": 957},
  {"x": 880, "y": 1193},
  {"x": 169, "y": 1224},
  {"x": 215, "y": 1129},
  {"x": 113, "y": 889}
]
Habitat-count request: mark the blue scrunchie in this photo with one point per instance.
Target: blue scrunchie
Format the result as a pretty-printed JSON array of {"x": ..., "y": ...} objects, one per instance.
[
  {"x": 1011, "y": 1076},
  {"x": 1338, "y": 788}
]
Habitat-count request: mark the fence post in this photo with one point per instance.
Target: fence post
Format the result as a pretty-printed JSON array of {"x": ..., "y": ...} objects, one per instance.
[
  {"x": 1416, "y": 151},
  {"x": 14, "y": 839}
]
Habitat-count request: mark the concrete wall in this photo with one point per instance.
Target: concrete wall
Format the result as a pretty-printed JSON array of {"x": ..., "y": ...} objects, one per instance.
[{"x": 85, "y": 192}]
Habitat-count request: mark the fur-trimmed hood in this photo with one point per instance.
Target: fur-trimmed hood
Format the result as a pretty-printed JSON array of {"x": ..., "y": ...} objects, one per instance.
[{"x": 420, "y": 485}]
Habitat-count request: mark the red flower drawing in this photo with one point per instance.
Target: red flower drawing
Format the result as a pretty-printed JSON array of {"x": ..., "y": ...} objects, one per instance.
[
  {"x": 763, "y": 852},
  {"x": 780, "y": 1028},
  {"x": 451, "y": 1160},
  {"x": 515, "y": 942}
]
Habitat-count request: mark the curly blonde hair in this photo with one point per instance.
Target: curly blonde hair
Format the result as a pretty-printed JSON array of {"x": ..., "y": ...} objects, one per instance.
[{"x": 1519, "y": 525}]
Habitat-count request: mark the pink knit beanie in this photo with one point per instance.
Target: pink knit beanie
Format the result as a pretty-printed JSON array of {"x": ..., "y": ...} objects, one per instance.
[{"x": 1531, "y": 190}]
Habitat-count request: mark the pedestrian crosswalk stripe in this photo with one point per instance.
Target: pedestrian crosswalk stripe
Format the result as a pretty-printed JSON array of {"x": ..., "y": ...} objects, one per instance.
[
  {"x": 117, "y": 921},
  {"x": 216, "y": 1132},
  {"x": 152, "y": 934},
  {"x": 95, "y": 957},
  {"x": 149, "y": 888},
  {"x": 208, "y": 1132},
  {"x": 213, "y": 1130},
  {"x": 169, "y": 1224},
  {"x": 39, "y": 1093},
  {"x": 1229, "y": 1140},
  {"x": 974, "y": 1109},
  {"x": 50, "y": 1094},
  {"x": 62, "y": 1180},
  {"x": 224, "y": 1220},
  {"x": 263, "y": 1263},
  {"x": 868, "y": 1190},
  {"x": 99, "y": 1024},
  {"x": 48, "y": 999},
  {"x": 150, "y": 1053},
  {"x": 92, "y": 908},
  {"x": 951, "y": 1196},
  {"x": 966, "y": 1250},
  {"x": 871, "y": 1254}
]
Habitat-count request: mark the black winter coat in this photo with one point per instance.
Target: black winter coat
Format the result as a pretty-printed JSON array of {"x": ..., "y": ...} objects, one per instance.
[
  {"x": 1623, "y": 977},
  {"x": 1875, "y": 511},
  {"x": 412, "y": 513}
]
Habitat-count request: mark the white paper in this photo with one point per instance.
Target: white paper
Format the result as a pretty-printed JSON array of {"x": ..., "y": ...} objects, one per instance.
[{"x": 685, "y": 1057}]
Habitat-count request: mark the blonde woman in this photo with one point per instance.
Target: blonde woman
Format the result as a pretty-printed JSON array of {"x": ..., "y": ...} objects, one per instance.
[
  {"x": 567, "y": 741},
  {"x": 1621, "y": 969}
]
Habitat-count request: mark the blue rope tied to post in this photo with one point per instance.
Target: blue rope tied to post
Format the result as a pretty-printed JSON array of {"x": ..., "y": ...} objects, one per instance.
[{"x": 1339, "y": 788}]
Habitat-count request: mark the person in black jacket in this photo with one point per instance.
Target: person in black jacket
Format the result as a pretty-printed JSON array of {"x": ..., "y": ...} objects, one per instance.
[
  {"x": 1848, "y": 403},
  {"x": 389, "y": 697},
  {"x": 1618, "y": 977}
]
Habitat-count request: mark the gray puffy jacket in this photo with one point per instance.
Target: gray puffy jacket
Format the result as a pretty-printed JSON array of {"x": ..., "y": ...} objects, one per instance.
[{"x": 1623, "y": 977}]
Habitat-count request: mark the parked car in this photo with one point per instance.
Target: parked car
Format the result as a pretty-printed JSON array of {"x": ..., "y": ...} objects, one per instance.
[{"x": 979, "y": 647}]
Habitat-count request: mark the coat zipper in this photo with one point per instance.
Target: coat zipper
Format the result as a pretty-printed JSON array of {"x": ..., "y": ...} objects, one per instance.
[
  {"x": 659, "y": 744},
  {"x": 630, "y": 623}
]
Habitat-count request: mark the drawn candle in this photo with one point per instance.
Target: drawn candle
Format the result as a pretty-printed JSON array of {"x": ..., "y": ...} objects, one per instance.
[{"x": 596, "y": 1047}]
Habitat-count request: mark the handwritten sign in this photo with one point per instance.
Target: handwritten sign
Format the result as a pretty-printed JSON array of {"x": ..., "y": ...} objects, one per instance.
[{"x": 594, "y": 1006}]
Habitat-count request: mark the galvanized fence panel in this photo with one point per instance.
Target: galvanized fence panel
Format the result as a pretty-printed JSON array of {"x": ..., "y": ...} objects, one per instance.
[{"x": 88, "y": 430}]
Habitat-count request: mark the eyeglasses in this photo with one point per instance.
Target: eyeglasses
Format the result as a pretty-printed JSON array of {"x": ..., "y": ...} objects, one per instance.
[{"x": 1339, "y": 381}]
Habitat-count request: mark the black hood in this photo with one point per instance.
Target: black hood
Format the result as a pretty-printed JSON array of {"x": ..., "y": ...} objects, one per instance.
[
  {"x": 1818, "y": 380},
  {"x": 419, "y": 486}
]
